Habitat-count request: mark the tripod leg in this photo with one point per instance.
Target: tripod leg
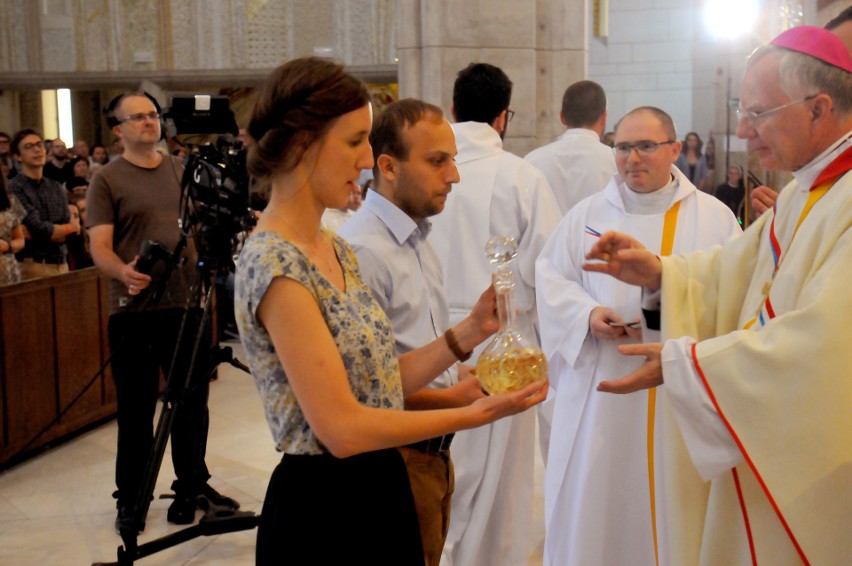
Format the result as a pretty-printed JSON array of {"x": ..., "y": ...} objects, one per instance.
[
  {"x": 189, "y": 432},
  {"x": 181, "y": 385},
  {"x": 175, "y": 386}
]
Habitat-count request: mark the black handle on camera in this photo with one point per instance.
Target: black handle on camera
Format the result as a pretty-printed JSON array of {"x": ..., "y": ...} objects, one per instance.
[{"x": 150, "y": 253}]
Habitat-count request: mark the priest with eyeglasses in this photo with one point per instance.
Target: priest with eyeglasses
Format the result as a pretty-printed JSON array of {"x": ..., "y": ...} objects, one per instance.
[{"x": 603, "y": 483}]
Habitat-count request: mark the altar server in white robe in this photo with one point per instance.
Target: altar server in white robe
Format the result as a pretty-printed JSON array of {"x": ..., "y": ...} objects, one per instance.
[
  {"x": 576, "y": 166},
  {"x": 499, "y": 194},
  {"x": 756, "y": 359},
  {"x": 598, "y": 490}
]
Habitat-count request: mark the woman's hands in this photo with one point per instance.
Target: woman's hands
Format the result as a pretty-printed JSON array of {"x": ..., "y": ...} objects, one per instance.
[{"x": 502, "y": 405}]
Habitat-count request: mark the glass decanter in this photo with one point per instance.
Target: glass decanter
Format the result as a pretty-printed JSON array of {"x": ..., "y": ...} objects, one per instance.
[{"x": 510, "y": 361}]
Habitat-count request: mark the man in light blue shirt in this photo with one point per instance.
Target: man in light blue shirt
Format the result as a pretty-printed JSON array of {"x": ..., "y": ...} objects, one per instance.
[{"x": 414, "y": 147}]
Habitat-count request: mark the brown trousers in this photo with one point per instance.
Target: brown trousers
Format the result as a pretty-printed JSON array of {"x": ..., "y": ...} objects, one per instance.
[
  {"x": 432, "y": 484},
  {"x": 31, "y": 269}
]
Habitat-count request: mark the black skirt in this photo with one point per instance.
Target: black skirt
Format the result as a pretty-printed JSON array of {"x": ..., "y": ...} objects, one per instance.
[{"x": 327, "y": 510}]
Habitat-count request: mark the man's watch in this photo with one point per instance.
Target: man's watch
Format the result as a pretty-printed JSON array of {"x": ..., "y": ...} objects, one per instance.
[{"x": 453, "y": 344}]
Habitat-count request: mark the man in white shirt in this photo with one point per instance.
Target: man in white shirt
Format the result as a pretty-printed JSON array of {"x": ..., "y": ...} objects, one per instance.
[
  {"x": 414, "y": 147},
  {"x": 600, "y": 484},
  {"x": 499, "y": 194},
  {"x": 334, "y": 218},
  {"x": 756, "y": 358},
  {"x": 577, "y": 165}
]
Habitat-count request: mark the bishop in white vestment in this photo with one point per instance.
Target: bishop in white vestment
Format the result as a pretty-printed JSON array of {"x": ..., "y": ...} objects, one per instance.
[{"x": 756, "y": 361}]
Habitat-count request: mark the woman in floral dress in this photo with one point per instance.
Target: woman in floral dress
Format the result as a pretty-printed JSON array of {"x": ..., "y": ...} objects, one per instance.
[{"x": 11, "y": 235}]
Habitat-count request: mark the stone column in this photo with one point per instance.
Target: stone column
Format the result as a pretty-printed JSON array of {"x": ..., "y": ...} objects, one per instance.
[
  {"x": 562, "y": 52},
  {"x": 540, "y": 45}
]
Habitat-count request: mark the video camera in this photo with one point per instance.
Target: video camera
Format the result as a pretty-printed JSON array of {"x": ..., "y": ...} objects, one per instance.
[
  {"x": 215, "y": 184},
  {"x": 151, "y": 253}
]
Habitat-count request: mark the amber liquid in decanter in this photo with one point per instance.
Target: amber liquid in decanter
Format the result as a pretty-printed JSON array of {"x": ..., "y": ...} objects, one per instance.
[{"x": 510, "y": 361}]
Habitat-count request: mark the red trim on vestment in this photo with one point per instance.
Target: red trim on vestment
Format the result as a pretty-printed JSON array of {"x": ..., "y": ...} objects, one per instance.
[
  {"x": 748, "y": 460},
  {"x": 769, "y": 310},
  {"x": 745, "y": 516},
  {"x": 839, "y": 166},
  {"x": 773, "y": 241}
]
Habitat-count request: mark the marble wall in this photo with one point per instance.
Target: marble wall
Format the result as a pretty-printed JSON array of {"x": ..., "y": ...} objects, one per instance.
[
  {"x": 142, "y": 35},
  {"x": 647, "y": 59},
  {"x": 49, "y": 42},
  {"x": 540, "y": 45},
  {"x": 660, "y": 52}
]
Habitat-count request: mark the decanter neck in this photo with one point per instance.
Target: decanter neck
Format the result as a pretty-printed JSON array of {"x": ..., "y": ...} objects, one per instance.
[{"x": 505, "y": 307}]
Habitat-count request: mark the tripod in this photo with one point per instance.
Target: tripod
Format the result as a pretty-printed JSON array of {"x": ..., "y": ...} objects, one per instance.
[{"x": 216, "y": 520}]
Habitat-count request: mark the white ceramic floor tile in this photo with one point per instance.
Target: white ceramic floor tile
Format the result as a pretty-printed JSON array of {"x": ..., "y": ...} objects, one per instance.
[{"x": 57, "y": 509}]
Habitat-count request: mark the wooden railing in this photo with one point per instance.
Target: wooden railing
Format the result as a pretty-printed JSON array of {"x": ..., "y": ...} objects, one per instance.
[{"x": 53, "y": 340}]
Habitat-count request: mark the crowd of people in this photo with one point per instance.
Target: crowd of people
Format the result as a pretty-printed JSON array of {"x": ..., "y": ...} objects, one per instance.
[
  {"x": 43, "y": 205},
  {"x": 697, "y": 410}
]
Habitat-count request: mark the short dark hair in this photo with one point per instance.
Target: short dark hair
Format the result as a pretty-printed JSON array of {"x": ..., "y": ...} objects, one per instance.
[
  {"x": 583, "y": 103},
  {"x": 76, "y": 159},
  {"x": 75, "y": 182},
  {"x": 114, "y": 105},
  {"x": 481, "y": 92},
  {"x": 19, "y": 137},
  {"x": 296, "y": 107},
  {"x": 386, "y": 136},
  {"x": 5, "y": 135},
  {"x": 665, "y": 120},
  {"x": 841, "y": 18}
]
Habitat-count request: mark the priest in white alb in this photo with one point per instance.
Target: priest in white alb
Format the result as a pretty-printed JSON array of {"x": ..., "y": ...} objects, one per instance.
[
  {"x": 601, "y": 482},
  {"x": 499, "y": 194}
]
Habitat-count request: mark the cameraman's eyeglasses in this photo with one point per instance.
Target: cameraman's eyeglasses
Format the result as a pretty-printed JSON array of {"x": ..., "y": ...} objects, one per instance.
[
  {"x": 33, "y": 145},
  {"x": 509, "y": 115},
  {"x": 644, "y": 147},
  {"x": 140, "y": 117}
]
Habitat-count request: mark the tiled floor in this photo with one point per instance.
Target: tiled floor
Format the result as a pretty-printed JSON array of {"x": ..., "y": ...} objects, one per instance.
[{"x": 56, "y": 508}]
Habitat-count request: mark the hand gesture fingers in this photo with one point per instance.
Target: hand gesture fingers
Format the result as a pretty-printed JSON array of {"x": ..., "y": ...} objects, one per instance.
[
  {"x": 484, "y": 312},
  {"x": 648, "y": 375},
  {"x": 600, "y": 324},
  {"x": 762, "y": 199},
  {"x": 134, "y": 280},
  {"x": 634, "y": 331},
  {"x": 633, "y": 266}
]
